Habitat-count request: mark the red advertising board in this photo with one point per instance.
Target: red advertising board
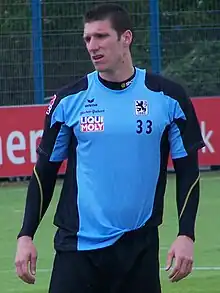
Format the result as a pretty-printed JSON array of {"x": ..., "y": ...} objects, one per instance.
[
  {"x": 207, "y": 110},
  {"x": 21, "y": 129}
]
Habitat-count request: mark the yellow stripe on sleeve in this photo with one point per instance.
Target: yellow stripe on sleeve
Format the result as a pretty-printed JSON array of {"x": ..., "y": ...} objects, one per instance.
[
  {"x": 188, "y": 195},
  {"x": 41, "y": 193}
]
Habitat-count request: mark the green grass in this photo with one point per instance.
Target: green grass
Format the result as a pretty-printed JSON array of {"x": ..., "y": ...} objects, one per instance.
[{"x": 207, "y": 248}]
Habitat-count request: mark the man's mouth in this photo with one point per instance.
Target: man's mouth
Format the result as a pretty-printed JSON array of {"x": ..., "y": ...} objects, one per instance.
[{"x": 97, "y": 57}]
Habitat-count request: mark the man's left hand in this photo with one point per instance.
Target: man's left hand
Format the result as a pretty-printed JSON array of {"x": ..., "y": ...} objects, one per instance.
[{"x": 182, "y": 251}]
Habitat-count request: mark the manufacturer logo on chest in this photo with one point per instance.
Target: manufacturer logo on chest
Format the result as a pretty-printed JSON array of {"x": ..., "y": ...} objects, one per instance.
[
  {"x": 92, "y": 124},
  {"x": 91, "y": 103}
]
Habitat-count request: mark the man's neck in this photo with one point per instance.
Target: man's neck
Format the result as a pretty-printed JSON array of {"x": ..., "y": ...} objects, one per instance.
[{"x": 114, "y": 85}]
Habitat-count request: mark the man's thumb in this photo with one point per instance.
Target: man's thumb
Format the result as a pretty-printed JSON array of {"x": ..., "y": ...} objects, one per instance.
[{"x": 170, "y": 257}]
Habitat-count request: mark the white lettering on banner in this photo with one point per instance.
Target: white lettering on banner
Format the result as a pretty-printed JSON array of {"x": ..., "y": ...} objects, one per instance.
[
  {"x": 206, "y": 138},
  {"x": 1, "y": 155},
  {"x": 12, "y": 147},
  {"x": 34, "y": 136},
  {"x": 17, "y": 141}
]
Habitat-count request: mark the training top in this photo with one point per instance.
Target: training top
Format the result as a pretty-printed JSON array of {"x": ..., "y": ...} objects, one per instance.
[{"x": 117, "y": 144}]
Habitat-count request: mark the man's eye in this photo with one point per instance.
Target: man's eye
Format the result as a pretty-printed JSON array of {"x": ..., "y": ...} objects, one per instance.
[
  {"x": 101, "y": 36},
  {"x": 87, "y": 40}
]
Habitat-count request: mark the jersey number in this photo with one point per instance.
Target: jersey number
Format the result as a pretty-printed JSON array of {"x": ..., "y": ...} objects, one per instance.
[{"x": 140, "y": 127}]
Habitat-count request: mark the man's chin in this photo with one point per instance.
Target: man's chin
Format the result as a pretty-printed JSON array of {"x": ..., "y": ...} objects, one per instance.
[{"x": 100, "y": 68}]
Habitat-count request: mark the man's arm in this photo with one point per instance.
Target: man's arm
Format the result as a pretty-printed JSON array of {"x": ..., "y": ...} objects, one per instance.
[
  {"x": 187, "y": 193},
  {"x": 187, "y": 198},
  {"x": 185, "y": 140},
  {"x": 39, "y": 194},
  {"x": 53, "y": 149}
]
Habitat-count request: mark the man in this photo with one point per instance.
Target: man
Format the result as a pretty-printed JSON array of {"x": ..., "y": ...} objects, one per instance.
[{"x": 116, "y": 127}]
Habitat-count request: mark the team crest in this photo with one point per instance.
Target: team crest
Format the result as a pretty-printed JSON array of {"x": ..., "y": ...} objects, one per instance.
[
  {"x": 92, "y": 124},
  {"x": 141, "y": 107}
]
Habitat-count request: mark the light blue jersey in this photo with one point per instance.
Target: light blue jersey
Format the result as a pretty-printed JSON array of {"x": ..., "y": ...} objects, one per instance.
[{"x": 118, "y": 142}]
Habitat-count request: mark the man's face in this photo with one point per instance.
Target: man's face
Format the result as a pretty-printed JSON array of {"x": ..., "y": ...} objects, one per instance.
[{"x": 104, "y": 46}]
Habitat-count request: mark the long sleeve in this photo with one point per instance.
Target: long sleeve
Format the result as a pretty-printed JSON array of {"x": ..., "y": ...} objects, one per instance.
[
  {"x": 39, "y": 195},
  {"x": 187, "y": 193},
  {"x": 52, "y": 151}
]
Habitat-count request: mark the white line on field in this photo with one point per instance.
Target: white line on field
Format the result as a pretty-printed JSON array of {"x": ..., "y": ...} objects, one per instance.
[
  {"x": 164, "y": 248},
  {"x": 210, "y": 178},
  {"x": 18, "y": 211},
  {"x": 162, "y": 269}
]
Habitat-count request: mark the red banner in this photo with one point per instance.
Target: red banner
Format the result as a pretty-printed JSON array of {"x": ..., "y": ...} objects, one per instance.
[
  {"x": 21, "y": 129},
  {"x": 207, "y": 110}
]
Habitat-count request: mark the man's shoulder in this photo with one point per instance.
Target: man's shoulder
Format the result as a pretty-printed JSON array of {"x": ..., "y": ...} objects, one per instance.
[
  {"x": 68, "y": 91},
  {"x": 73, "y": 88},
  {"x": 169, "y": 87}
]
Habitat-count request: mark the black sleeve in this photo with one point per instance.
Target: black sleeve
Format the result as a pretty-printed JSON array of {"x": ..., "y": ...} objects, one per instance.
[
  {"x": 189, "y": 128},
  {"x": 185, "y": 140},
  {"x": 39, "y": 194},
  {"x": 187, "y": 193},
  {"x": 42, "y": 182}
]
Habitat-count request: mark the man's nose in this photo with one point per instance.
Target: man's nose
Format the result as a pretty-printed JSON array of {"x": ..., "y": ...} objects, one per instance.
[{"x": 93, "y": 45}]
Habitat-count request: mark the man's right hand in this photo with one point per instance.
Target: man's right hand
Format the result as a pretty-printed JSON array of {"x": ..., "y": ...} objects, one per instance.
[{"x": 26, "y": 259}]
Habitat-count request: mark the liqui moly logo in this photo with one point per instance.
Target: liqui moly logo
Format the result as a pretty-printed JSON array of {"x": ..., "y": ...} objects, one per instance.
[{"x": 92, "y": 124}]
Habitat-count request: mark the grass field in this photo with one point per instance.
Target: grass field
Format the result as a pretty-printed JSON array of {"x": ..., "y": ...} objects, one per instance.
[{"x": 204, "y": 279}]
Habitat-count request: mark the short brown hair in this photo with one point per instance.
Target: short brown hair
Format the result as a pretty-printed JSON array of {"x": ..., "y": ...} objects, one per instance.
[{"x": 117, "y": 15}]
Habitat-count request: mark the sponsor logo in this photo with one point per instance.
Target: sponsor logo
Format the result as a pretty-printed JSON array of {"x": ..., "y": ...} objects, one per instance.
[
  {"x": 92, "y": 111},
  {"x": 126, "y": 84},
  {"x": 91, "y": 103},
  {"x": 49, "y": 108},
  {"x": 141, "y": 107},
  {"x": 92, "y": 124}
]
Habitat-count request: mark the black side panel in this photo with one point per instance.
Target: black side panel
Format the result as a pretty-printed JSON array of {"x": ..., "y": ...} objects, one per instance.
[
  {"x": 157, "y": 214},
  {"x": 67, "y": 217}
]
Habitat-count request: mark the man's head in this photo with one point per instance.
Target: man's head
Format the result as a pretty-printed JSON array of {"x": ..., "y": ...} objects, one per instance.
[{"x": 108, "y": 36}]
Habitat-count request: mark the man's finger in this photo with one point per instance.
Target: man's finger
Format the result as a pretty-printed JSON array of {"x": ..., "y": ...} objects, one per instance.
[
  {"x": 18, "y": 269},
  {"x": 176, "y": 268},
  {"x": 190, "y": 266},
  {"x": 33, "y": 263},
  {"x": 182, "y": 272},
  {"x": 170, "y": 257},
  {"x": 26, "y": 276},
  {"x": 25, "y": 279},
  {"x": 20, "y": 273},
  {"x": 184, "y": 267}
]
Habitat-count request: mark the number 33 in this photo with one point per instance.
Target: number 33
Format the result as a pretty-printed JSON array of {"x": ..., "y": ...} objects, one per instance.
[{"x": 140, "y": 126}]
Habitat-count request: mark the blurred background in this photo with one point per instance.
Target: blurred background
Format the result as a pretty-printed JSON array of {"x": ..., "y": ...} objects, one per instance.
[{"x": 41, "y": 50}]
